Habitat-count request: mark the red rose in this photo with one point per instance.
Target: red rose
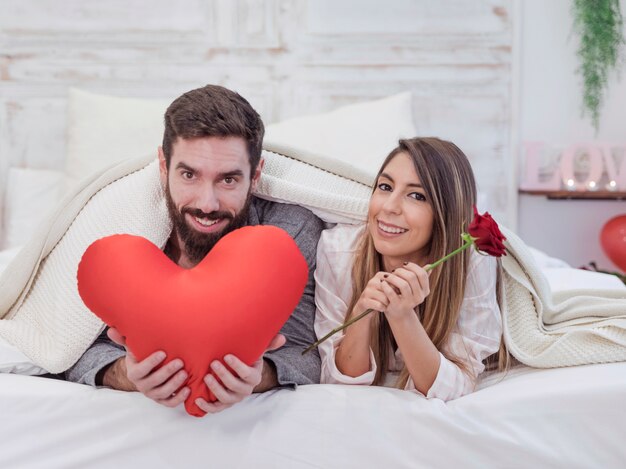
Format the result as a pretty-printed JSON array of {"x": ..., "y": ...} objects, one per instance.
[{"x": 487, "y": 234}]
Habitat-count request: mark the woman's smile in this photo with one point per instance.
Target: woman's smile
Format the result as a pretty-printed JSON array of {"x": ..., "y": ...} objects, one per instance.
[
  {"x": 400, "y": 217},
  {"x": 388, "y": 229}
]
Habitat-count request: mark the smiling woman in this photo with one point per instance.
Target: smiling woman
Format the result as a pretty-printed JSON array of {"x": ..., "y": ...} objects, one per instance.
[
  {"x": 399, "y": 216},
  {"x": 435, "y": 329}
]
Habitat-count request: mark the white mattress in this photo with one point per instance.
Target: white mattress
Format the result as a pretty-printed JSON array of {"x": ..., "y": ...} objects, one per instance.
[{"x": 569, "y": 417}]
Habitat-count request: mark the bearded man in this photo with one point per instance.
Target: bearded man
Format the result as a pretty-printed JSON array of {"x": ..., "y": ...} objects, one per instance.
[{"x": 210, "y": 162}]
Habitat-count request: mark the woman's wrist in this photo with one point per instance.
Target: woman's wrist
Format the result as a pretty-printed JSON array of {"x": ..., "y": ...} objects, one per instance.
[
  {"x": 353, "y": 353},
  {"x": 403, "y": 319},
  {"x": 361, "y": 327},
  {"x": 357, "y": 310}
]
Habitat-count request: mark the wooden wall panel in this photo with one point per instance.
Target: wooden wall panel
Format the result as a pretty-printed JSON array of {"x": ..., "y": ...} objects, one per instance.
[{"x": 288, "y": 57}]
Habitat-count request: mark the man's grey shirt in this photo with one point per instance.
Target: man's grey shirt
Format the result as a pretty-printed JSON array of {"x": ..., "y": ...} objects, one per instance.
[{"x": 292, "y": 368}]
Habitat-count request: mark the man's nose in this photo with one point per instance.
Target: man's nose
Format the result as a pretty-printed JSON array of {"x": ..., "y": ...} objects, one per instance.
[{"x": 208, "y": 200}]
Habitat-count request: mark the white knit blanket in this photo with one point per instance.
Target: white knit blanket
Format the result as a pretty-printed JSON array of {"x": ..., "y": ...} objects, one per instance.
[
  {"x": 331, "y": 193},
  {"x": 573, "y": 327},
  {"x": 43, "y": 315}
]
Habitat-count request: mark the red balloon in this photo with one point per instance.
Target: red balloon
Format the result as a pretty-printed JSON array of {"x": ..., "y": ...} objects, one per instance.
[
  {"x": 613, "y": 241},
  {"x": 234, "y": 301}
]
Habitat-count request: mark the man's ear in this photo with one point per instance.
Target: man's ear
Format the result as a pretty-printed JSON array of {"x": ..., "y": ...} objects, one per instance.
[
  {"x": 162, "y": 167},
  {"x": 257, "y": 174}
]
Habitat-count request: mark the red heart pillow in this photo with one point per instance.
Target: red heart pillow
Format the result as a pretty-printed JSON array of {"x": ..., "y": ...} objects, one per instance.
[{"x": 234, "y": 301}]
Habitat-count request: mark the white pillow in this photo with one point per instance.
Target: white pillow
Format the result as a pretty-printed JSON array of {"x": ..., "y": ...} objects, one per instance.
[
  {"x": 7, "y": 256},
  {"x": 31, "y": 195},
  {"x": 103, "y": 130},
  {"x": 358, "y": 137},
  {"x": 563, "y": 279},
  {"x": 14, "y": 361},
  {"x": 544, "y": 260}
]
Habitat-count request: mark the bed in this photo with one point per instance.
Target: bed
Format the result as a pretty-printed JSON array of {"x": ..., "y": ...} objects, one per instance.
[
  {"x": 525, "y": 417},
  {"x": 567, "y": 417}
]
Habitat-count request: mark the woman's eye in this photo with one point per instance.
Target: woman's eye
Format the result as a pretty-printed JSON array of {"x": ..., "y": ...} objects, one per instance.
[
  {"x": 418, "y": 196},
  {"x": 384, "y": 187}
]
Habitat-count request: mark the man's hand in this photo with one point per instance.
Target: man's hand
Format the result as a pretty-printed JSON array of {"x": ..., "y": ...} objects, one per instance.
[
  {"x": 162, "y": 385},
  {"x": 245, "y": 380}
]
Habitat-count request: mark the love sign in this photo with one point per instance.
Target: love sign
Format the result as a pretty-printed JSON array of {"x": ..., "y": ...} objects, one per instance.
[
  {"x": 233, "y": 302},
  {"x": 606, "y": 163}
]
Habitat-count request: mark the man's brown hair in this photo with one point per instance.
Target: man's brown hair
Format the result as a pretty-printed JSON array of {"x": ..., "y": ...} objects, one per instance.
[{"x": 213, "y": 111}]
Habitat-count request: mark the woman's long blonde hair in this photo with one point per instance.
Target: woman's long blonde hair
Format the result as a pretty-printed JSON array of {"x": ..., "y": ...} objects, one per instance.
[{"x": 448, "y": 180}]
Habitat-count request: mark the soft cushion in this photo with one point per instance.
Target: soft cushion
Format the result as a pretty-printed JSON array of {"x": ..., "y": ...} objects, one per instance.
[
  {"x": 353, "y": 139},
  {"x": 103, "y": 130},
  {"x": 562, "y": 279},
  {"x": 31, "y": 196},
  {"x": 233, "y": 302}
]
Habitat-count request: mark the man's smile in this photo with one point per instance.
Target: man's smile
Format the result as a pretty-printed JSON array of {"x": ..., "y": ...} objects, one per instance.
[{"x": 205, "y": 224}]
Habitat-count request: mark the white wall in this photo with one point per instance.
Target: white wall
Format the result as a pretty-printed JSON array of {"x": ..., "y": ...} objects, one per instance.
[
  {"x": 292, "y": 57},
  {"x": 288, "y": 57},
  {"x": 550, "y": 111}
]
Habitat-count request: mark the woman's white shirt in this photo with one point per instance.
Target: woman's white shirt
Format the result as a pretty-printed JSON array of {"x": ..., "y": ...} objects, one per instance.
[{"x": 477, "y": 334}]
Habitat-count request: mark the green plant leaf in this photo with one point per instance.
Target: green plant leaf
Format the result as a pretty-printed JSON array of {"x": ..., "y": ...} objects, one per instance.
[{"x": 599, "y": 24}]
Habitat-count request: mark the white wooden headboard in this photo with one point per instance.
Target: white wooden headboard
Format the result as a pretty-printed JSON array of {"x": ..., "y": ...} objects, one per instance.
[{"x": 288, "y": 57}]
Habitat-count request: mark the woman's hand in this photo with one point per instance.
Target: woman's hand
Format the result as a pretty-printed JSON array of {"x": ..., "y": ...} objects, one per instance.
[
  {"x": 372, "y": 297},
  {"x": 405, "y": 288},
  {"x": 353, "y": 353}
]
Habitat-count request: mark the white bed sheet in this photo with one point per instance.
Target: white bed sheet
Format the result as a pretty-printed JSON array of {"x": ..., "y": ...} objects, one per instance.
[
  {"x": 569, "y": 417},
  {"x": 6, "y": 256}
]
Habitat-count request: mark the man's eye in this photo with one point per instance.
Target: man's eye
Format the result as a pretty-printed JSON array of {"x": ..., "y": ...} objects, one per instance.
[
  {"x": 187, "y": 174},
  {"x": 229, "y": 180},
  {"x": 418, "y": 196},
  {"x": 384, "y": 187}
]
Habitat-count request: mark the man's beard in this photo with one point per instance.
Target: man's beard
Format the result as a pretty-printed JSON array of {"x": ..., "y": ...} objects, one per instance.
[{"x": 196, "y": 245}]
